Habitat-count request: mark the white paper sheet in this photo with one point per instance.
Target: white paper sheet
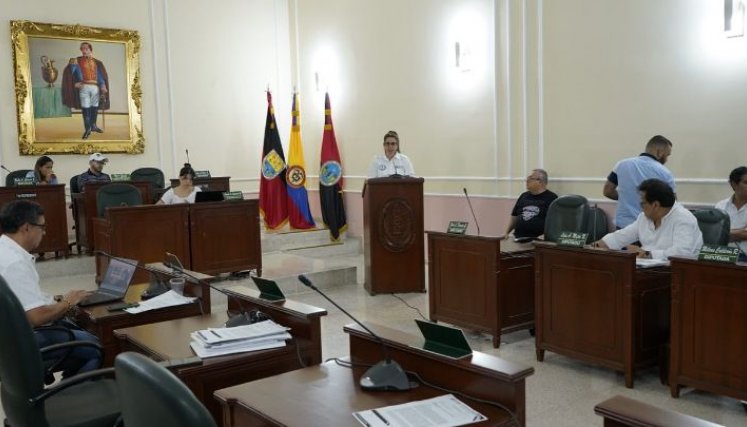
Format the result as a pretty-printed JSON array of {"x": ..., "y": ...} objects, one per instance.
[
  {"x": 442, "y": 411},
  {"x": 167, "y": 299}
]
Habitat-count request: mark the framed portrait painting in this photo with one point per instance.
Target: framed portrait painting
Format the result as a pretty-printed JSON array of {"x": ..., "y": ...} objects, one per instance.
[{"x": 77, "y": 89}]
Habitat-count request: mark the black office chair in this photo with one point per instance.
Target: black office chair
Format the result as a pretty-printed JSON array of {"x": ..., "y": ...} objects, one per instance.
[
  {"x": 714, "y": 224},
  {"x": 74, "y": 189},
  {"x": 84, "y": 400},
  {"x": 566, "y": 213},
  {"x": 117, "y": 194},
  {"x": 10, "y": 179},
  {"x": 153, "y": 397},
  {"x": 152, "y": 175},
  {"x": 596, "y": 224}
]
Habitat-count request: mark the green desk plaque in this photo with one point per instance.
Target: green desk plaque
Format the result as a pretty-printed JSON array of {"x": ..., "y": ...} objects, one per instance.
[
  {"x": 725, "y": 254},
  {"x": 457, "y": 227},
  {"x": 202, "y": 174},
  {"x": 118, "y": 177},
  {"x": 572, "y": 239},
  {"x": 23, "y": 182},
  {"x": 233, "y": 195}
]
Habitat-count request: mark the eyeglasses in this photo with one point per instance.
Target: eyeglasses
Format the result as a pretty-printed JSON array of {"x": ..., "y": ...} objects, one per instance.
[{"x": 42, "y": 226}]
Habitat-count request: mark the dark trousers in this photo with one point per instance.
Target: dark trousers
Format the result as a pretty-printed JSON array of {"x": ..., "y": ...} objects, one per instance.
[{"x": 80, "y": 359}]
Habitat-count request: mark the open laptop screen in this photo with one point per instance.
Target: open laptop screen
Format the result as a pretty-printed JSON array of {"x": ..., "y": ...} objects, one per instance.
[{"x": 118, "y": 275}]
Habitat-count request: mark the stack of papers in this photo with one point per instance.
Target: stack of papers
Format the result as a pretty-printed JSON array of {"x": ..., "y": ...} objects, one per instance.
[
  {"x": 167, "y": 299},
  {"x": 442, "y": 411},
  {"x": 257, "y": 336}
]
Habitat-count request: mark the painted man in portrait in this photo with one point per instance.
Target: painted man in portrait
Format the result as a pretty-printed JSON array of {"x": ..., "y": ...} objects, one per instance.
[{"x": 85, "y": 85}]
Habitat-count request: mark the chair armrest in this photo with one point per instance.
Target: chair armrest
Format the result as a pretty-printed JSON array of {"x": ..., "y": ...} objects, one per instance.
[
  {"x": 58, "y": 329},
  {"x": 69, "y": 346},
  {"x": 64, "y": 384}
]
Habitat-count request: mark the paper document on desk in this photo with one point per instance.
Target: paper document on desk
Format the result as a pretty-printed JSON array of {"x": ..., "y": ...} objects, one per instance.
[
  {"x": 443, "y": 411},
  {"x": 204, "y": 352},
  {"x": 257, "y": 336},
  {"x": 646, "y": 262},
  {"x": 168, "y": 299},
  {"x": 255, "y": 330}
]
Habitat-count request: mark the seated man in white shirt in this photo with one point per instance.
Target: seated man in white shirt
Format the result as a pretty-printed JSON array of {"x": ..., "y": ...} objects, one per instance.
[
  {"x": 392, "y": 162},
  {"x": 664, "y": 228},
  {"x": 736, "y": 207}
]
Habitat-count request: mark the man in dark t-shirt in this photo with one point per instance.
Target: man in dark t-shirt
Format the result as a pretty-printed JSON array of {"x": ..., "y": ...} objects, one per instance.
[{"x": 530, "y": 210}]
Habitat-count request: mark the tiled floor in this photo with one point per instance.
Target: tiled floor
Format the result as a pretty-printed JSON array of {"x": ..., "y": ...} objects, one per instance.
[{"x": 562, "y": 392}]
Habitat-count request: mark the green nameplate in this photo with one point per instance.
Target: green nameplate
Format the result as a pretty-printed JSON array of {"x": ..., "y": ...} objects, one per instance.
[
  {"x": 233, "y": 195},
  {"x": 116, "y": 177},
  {"x": 457, "y": 227},
  {"x": 20, "y": 182},
  {"x": 572, "y": 239},
  {"x": 202, "y": 174},
  {"x": 723, "y": 254}
]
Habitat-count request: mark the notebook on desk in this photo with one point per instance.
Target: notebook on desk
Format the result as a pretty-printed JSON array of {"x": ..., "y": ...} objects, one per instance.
[
  {"x": 444, "y": 340},
  {"x": 114, "y": 284}
]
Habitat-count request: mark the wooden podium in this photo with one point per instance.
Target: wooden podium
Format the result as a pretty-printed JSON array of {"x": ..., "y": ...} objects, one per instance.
[
  {"x": 394, "y": 250},
  {"x": 481, "y": 283},
  {"x": 52, "y": 199}
]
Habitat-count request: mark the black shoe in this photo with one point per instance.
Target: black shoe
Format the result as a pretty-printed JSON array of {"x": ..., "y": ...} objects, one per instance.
[
  {"x": 86, "y": 134},
  {"x": 96, "y": 129}
]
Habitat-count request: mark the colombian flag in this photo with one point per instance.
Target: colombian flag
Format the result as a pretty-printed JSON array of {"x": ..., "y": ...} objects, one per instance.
[
  {"x": 298, "y": 200},
  {"x": 330, "y": 179},
  {"x": 273, "y": 195}
]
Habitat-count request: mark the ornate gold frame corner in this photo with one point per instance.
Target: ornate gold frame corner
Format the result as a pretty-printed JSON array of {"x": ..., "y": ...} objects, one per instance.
[{"x": 27, "y": 144}]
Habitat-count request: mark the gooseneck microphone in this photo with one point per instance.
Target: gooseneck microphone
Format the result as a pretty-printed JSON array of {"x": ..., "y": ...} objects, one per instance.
[
  {"x": 469, "y": 202},
  {"x": 5, "y": 169},
  {"x": 386, "y": 375},
  {"x": 186, "y": 150}
]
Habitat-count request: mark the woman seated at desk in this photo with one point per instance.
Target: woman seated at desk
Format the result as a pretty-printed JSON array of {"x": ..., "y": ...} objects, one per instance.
[
  {"x": 43, "y": 173},
  {"x": 185, "y": 191}
]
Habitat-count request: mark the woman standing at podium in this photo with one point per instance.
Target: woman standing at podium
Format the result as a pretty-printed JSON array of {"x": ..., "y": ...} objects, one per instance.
[
  {"x": 43, "y": 173},
  {"x": 392, "y": 162},
  {"x": 185, "y": 191}
]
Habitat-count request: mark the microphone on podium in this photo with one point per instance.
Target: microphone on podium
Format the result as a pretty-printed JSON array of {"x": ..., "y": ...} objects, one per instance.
[
  {"x": 469, "y": 202},
  {"x": 386, "y": 375}
]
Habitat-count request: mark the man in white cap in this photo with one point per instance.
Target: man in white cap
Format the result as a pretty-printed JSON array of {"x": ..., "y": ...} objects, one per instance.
[{"x": 96, "y": 162}]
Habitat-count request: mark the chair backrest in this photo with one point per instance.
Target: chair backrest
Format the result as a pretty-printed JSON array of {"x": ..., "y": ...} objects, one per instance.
[
  {"x": 151, "y": 396},
  {"x": 714, "y": 224},
  {"x": 152, "y": 175},
  {"x": 74, "y": 187},
  {"x": 117, "y": 194},
  {"x": 10, "y": 179},
  {"x": 596, "y": 224},
  {"x": 21, "y": 369},
  {"x": 566, "y": 213}
]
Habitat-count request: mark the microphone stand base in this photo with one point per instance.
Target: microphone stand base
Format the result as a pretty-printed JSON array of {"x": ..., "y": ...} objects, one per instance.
[{"x": 386, "y": 375}]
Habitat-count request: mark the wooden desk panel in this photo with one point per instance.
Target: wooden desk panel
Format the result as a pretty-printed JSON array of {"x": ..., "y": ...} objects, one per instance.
[
  {"x": 86, "y": 208},
  {"x": 52, "y": 199},
  {"x": 709, "y": 314},
  {"x": 476, "y": 284},
  {"x": 620, "y": 411},
  {"x": 326, "y": 395},
  {"x": 225, "y": 236},
  {"x": 218, "y": 183},
  {"x": 169, "y": 341},
  {"x": 102, "y": 323},
  {"x": 594, "y": 305}
]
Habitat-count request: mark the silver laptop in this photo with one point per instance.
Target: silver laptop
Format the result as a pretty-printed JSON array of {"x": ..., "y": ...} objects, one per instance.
[{"x": 115, "y": 283}]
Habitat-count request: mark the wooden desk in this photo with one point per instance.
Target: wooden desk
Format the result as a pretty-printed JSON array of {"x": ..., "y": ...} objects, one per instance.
[
  {"x": 481, "y": 283},
  {"x": 217, "y": 183},
  {"x": 169, "y": 341},
  {"x": 709, "y": 316},
  {"x": 87, "y": 209},
  {"x": 594, "y": 305},
  {"x": 102, "y": 323},
  {"x": 620, "y": 411},
  {"x": 52, "y": 199},
  {"x": 212, "y": 238},
  {"x": 326, "y": 395}
]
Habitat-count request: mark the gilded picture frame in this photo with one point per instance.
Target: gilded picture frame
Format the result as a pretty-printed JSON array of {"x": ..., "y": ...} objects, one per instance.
[{"x": 77, "y": 89}]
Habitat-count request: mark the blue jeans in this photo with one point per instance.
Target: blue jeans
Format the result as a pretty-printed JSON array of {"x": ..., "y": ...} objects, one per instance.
[{"x": 80, "y": 359}]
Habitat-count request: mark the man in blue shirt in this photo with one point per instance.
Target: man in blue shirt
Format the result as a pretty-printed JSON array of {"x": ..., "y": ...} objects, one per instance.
[{"x": 622, "y": 183}]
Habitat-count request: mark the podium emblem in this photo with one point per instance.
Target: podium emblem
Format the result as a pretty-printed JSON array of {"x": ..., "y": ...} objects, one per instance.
[{"x": 397, "y": 225}]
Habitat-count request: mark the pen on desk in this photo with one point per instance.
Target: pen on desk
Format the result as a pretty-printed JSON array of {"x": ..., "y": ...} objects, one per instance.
[
  {"x": 360, "y": 418},
  {"x": 215, "y": 333},
  {"x": 381, "y": 417},
  {"x": 202, "y": 336}
]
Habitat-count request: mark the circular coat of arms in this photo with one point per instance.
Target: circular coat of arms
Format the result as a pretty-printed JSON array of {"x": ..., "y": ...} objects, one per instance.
[
  {"x": 397, "y": 225},
  {"x": 272, "y": 165},
  {"x": 330, "y": 173},
  {"x": 296, "y": 176}
]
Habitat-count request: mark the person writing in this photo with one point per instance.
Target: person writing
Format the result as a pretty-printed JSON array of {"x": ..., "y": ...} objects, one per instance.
[
  {"x": 185, "y": 191},
  {"x": 664, "y": 227},
  {"x": 736, "y": 207},
  {"x": 43, "y": 173},
  {"x": 392, "y": 162},
  {"x": 23, "y": 226},
  {"x": 529, "y": 212}
]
